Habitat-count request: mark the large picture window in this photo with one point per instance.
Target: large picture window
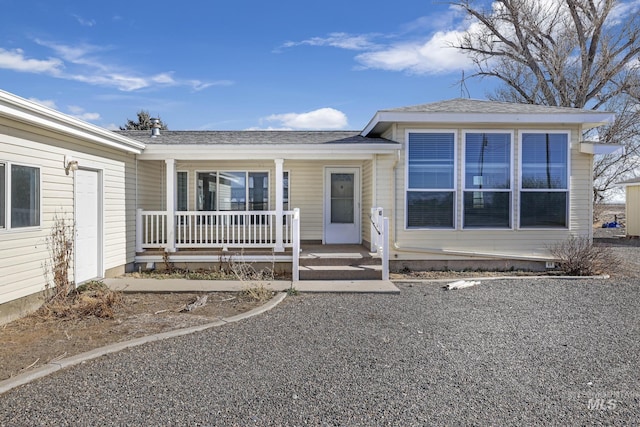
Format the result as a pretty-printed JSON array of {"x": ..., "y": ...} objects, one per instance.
[
  {"x": 430, "y": 180},
  {"x": 232, "y": 191},
  {"x": 487, "y": 180},
  {"x": 544, "y": 194},
  {"x": 19, "y": 200}
]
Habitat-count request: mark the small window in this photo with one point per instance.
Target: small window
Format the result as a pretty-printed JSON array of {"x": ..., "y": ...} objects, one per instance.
[
  {"x": 25, "y": 196},
  {"x": 182, "y": 191},
  {"x": 430, "y": 196},
  {"x": 285, "y": 191},
  {"x": 544, "y": 195},
  {"x": 487, "y": 182}
]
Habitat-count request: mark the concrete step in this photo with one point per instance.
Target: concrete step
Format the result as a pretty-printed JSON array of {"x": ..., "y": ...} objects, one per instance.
[
  {"x": 341, "y": 272},
  {"x": 336, "y": 259}
]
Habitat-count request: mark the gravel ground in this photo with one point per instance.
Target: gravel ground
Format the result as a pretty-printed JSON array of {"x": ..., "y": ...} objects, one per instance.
[{"x": 506, "y": 352}]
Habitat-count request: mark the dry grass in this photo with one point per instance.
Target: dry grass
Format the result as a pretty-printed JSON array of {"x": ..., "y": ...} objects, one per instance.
[
  {"x": 92, "y": 299},
  {"x": 258, "y": 293}
]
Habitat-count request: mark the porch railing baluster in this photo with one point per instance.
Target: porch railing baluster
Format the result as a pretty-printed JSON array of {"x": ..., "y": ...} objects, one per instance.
[{"x": 198, "y": 229}]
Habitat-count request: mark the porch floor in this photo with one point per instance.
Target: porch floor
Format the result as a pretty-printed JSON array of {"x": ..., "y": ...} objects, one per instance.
[
  {"x": 308, "y": 251},
  {"x": 316, "y": 262}
]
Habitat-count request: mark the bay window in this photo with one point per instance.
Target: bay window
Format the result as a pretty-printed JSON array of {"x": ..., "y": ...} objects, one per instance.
[
  {"x": 544, "y": 182},
  {"x": 430, "y": 179}
]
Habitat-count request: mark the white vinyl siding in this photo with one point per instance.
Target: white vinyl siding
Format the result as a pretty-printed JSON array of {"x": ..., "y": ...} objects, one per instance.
[{"x": 22, "y": 250}]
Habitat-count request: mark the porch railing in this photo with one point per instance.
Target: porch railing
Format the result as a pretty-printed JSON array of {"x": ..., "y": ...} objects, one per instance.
[
  {"x": 380, "y": 238},
  {"x": 203, "y": 229}
]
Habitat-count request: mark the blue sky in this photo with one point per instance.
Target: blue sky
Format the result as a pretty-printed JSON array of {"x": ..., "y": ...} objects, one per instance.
[{"x": 219, "y": 65}]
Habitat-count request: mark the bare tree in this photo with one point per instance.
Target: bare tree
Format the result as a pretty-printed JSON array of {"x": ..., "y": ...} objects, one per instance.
[
  {"x": 143, "y": 123},
  {"x": 568, "y": 53}
]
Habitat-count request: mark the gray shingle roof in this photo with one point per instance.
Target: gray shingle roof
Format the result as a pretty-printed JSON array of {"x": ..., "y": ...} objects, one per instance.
[
  {"x": 464, "y": 105},
  {"x": 252, "y": 137}
]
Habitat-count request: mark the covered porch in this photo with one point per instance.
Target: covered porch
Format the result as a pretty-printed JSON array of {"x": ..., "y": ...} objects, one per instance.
[{"x": 274, "y": 210}]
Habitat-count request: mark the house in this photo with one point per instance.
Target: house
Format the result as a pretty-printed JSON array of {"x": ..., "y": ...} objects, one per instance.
[
  {"x": 632, "y": 206},
  {"x": 453, "y": 184},
  {"x": 53, "y": 165}
]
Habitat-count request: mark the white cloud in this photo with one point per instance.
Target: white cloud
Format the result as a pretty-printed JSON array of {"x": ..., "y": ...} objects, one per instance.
[
  {"x": 622, "y": 10},
  {"x": 339, "y": 40},
  {"x": 15, "y": 60},
  {"x": 321, "y": 119},
  {"x": 83, "y": 63},
  {"x": 80, "y": 113},
  {"x": 46, "y": 102},
  {"x": 429, "y": 54},
  {"x": 84, "y": 22},
  {"x": 433, "y": 56}
]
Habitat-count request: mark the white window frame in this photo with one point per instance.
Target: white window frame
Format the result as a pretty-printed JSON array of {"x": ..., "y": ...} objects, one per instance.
[
  {"x": 512, "y": 168},
  {"x": 7, "y": 195},
  {"x": 521, "y": 132},
  {"x": 246, "y": 172},
  {"x": 454, "y": 189}
]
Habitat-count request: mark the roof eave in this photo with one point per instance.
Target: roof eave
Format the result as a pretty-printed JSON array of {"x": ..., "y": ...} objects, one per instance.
[
  {"x": 602, "y": 149},
  {"x": 16, "y": 108},
  {"x": 383, "y": 119}
]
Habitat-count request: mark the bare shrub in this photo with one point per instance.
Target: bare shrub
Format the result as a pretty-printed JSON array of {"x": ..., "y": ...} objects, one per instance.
[
  {"x": 60, "y": 247},
  {"x": 578, "y": 256},
  {"x": 91, "y": 299}
]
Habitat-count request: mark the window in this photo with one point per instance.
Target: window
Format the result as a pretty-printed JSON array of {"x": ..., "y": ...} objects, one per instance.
[
  {"x": 25, "y": 196},
  {"x": 232, "y": 191},
  {"x": 487, "y": 180},
  {"x": 285, "y": 191},
  {"x": 258, "y": 191},
  {"x": 182, "y": 191},
  {"x": 544, "y": 180},
  {"x": 430, "y": 180},
  {"x": 19, "y": 196}
]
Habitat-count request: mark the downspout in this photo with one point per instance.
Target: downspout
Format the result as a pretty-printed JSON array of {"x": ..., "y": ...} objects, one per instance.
[{"x": 398, "y": 248}]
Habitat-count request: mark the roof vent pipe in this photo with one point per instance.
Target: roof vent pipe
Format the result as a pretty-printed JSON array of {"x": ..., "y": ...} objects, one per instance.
[{"x": 155, "y": 127}]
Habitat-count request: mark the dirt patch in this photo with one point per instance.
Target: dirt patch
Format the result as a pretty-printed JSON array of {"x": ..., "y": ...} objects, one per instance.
[{"x": 31, "y": 341}]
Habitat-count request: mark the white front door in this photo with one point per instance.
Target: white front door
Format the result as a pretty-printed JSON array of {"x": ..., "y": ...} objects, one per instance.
[
  {"x": 88, "y": 253},
  {"x": 342, "y": 206}
]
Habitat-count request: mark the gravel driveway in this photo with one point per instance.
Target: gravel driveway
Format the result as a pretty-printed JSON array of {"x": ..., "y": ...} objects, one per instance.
[{"x": 525, "y": 352}]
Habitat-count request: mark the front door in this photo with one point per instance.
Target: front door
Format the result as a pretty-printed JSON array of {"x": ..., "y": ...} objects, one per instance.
[
  {"x": 342, "y": 206},
  {"x": 88, "y": 230}
]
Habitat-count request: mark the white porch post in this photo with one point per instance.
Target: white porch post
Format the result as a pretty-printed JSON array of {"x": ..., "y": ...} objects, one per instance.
[
  {"x": 139, "y": 233},
  {"x": 171, "y": 204},
  {"x": 279, "y": 246}
]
